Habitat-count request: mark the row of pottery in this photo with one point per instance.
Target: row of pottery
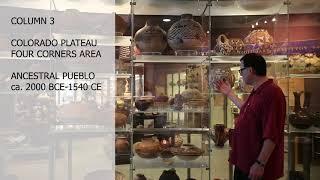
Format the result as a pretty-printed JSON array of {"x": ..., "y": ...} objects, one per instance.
[
  {"x": 304, "y": 63},
  {"x": 185, "y": 34},
  {"x": 150, "y": 148}
]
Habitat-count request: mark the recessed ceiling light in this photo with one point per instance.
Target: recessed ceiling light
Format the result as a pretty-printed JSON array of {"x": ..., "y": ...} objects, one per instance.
[
  {"x": 166, "y": 20},
  {"x": 265, "y": 21},
  {"x": 274, "y": 19}
]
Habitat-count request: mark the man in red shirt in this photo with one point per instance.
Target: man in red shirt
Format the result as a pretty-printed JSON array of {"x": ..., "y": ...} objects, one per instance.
[{"x": 258, "y": 138}]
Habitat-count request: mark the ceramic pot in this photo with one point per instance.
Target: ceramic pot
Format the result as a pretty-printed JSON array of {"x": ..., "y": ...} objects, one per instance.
[
  {"x": 148, "y": 148},
  {"x": 191, "y": 93},
  {"x": 220, "y": 72},
  {"x": 237, "y": 46},
  {"x": 161, "y": 99},
  {"x": 220, "y": 135},
  {"x": 176, "y": 103},
  {"x": 121, "y": 25},
  {"x": 139, "y": 177},
  {"x": 299, "y": 118},
  {"x": 169, "y": 175},
  {"x": 186, "y": 34},
  {"x": 143, "y": 104},
  {"x": 122, "y": 144},
  {"x": 121, "y": 119},
  {"x": 223, "y": 47},
  {"x": 119, "y": 176},
  {"x": 178, "y": 141},
  {"x": 166, "y": 153},
  {"x": 188, "y": 152},
  {"x": 151, "y": 38},
  {"x": 258, "y": 37}
]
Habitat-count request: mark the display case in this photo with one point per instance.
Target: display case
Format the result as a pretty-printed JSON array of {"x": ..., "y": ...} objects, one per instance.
[
  {"x": 178, "y": 49},
  {"x": 303, "y": 116}
]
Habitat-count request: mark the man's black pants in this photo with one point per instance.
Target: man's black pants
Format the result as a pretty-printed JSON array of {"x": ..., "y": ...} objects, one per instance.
[{"x": 239, "y": 175}]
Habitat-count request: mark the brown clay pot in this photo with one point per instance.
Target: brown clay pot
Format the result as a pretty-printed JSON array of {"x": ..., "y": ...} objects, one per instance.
[
  {"x": 148, "y": 148},
  {"x": 188, "y": 152},
  {"x": 121, "y": 25},
  {"x": 220, "y": 135},
  {"x": 300, "y": 118},
  {"x": 143, "y": 104},
  {"x": 121, "y": 119},
  {"x": 151, "y": 38},
  {"x": 122, "y": 144}
]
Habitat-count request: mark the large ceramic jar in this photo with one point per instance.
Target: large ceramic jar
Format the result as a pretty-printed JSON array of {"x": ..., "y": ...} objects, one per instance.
[
  {"x": 259, "y": 37},
  {"x": 148, "y": 148},
  {"x": 186, "y": 34},
  {"x": 259, "y": 41},
  {"x": 221, "y": 72},
  {"x": 151, "y": 38}
]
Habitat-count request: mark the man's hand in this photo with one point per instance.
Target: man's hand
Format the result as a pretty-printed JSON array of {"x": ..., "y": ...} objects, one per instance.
[
  {"x": 256, "y": 172},
  {"x": 223, "y": 86}
]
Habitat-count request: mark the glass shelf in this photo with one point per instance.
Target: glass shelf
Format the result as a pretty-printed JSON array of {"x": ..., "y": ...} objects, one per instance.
[
  {"x": 312, "y": 130},
  {"x": 200, "y": 59},
  {"x": 168, "y": 109},
  {"x": 237, "y": 93},
  {"x": 120, "y": 75},
  {"x": 304, "y": 75},
  {"x": 79, "y": 130},
  {"x": 236, "y": 59},
  {"x": 170, "y": 130},
  {"x": 122, "y": 130},
  {"x": 175, "y": 162},
  {"x": 169, "y": 59}
]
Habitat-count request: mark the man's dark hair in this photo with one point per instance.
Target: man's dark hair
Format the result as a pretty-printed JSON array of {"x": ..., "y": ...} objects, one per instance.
[{"x": 257, "y": 62}]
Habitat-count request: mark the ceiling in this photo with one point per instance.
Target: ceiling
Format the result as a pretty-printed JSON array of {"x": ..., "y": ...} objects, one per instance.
[{"x": 174, "y": 7}]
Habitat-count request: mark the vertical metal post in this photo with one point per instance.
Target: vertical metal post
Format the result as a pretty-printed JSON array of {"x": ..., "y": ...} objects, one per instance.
[{"x": 188, "y": 169}]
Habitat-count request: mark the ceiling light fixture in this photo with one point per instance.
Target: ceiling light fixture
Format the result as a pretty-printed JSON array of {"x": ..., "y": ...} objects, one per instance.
[
  {"x": 274, "y": 19},
  {"x": 265, "y": 21},
  {"x": 166, "y": 20}
]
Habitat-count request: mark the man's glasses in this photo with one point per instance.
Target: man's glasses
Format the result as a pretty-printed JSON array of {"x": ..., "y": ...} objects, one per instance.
[{"x": 240, "y": 71}]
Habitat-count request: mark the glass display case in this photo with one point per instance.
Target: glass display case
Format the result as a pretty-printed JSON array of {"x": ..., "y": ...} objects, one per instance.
[
  {"x": 178, "y": 49},
  {"x": 303, "y": 116}
]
